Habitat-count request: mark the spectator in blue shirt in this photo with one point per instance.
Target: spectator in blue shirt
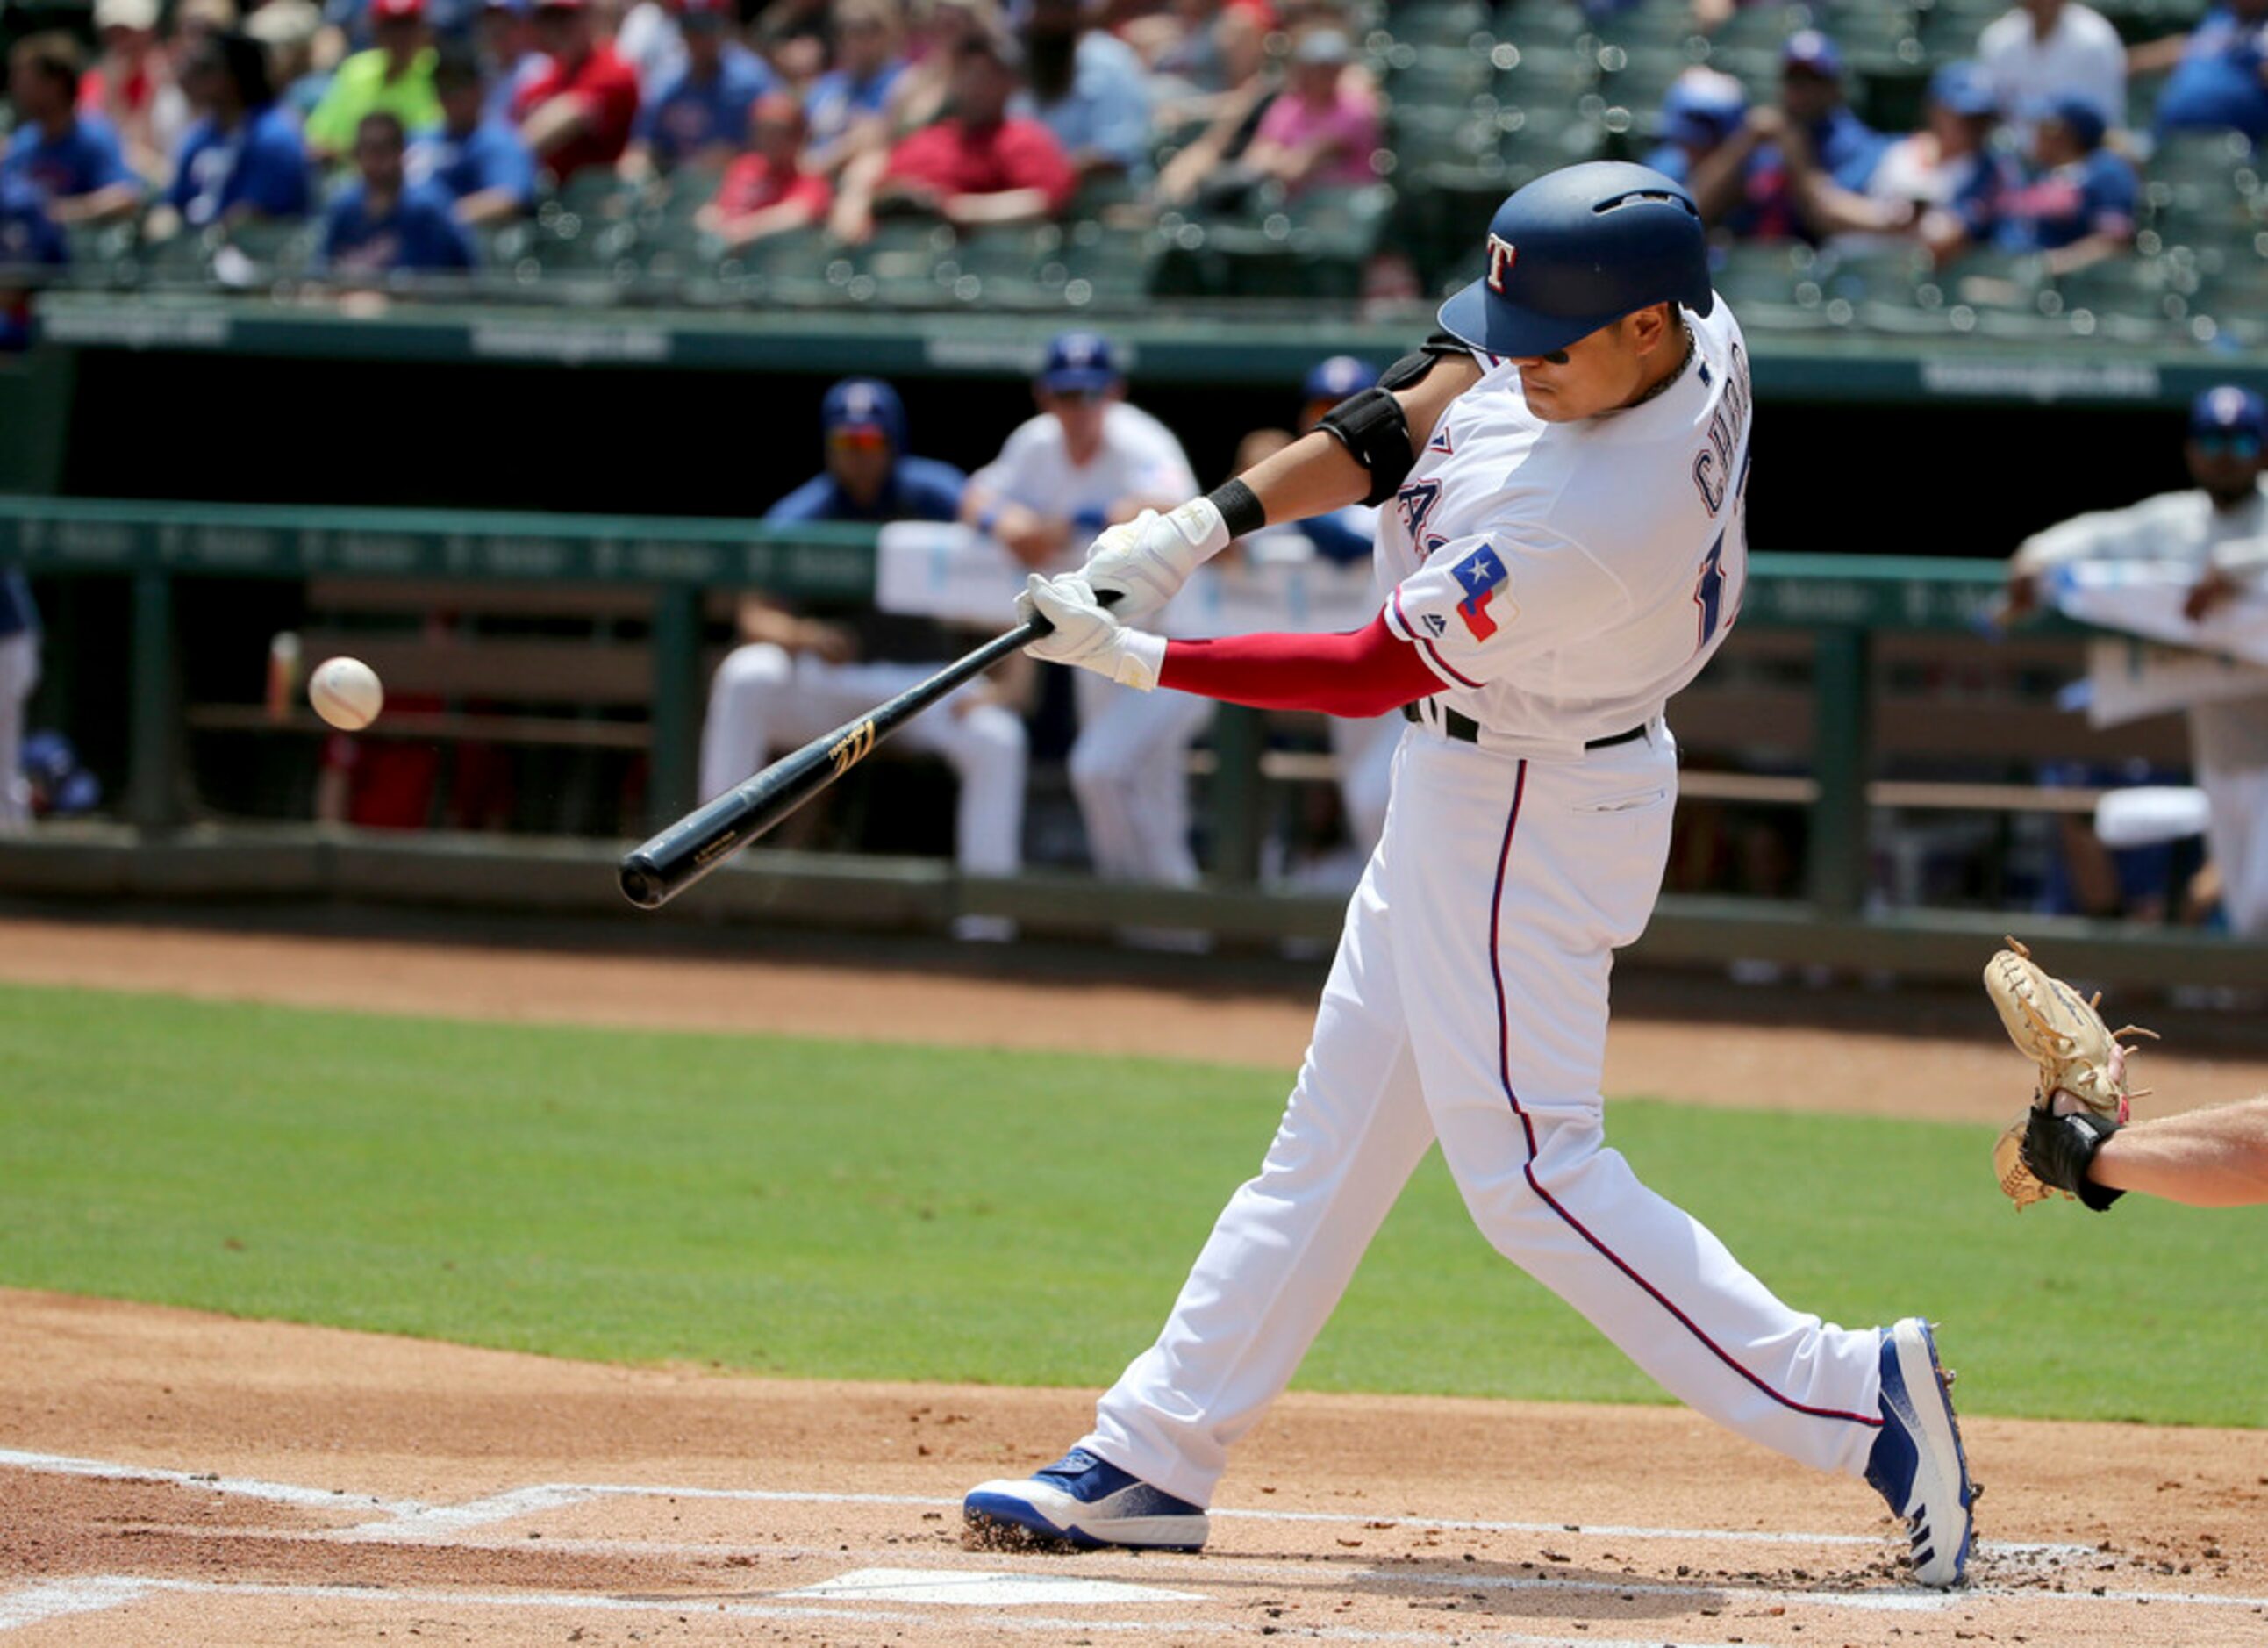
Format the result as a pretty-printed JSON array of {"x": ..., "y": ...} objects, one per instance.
[
  {"x": 869, "y": 475},
  {"x": 73, "y": 159},
  {"x": 1944, "y": 187},
  {"x": 1702, "y": 109},
  {"x": 2219, "y": 80},
  {"x": 702, "y": 116},
  {"x": 848, "y": 106},
  {"x": 2079, "y": 205},
  {"x": 242, "y": 158},
  {"x": 475, "y": 156},
  {"x": 1754, "y": 182},
  {"x": 28, "y": 241},
  {"x": 382, "y": 222},
  {"x": 1088, "y": 88}
]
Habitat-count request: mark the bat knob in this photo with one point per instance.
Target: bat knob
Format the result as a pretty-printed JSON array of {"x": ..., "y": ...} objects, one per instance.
[{"x": 642, "y": 883}]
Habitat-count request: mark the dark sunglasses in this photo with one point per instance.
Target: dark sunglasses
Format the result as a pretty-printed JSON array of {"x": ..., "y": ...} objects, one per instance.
[{"x": 2227, "y": 446}]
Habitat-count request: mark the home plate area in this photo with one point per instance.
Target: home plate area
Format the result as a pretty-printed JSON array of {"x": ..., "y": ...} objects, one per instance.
[{"x": 129, "y": 1553}]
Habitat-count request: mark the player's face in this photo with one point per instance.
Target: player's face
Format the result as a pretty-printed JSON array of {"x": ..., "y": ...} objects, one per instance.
[
  {"x": 2226, "y": 465},
  {"x": 1592, "y": 374},
  {"x": 859, "y": 461},
  {"x": 1080, "y": 412}
]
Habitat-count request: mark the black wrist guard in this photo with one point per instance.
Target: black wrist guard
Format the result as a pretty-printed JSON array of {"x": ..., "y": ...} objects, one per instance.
[
  {"x": 1240, "y": 508},
  {"x": 2060, "y": 1150},
  {"x": 1372, "y": 427}
]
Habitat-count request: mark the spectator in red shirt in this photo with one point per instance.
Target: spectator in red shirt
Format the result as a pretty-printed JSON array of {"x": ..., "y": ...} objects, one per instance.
[
  {"x": 975, "y": 166},
  {"x": 768, "y": 190},
  {"x": 579, "y": 111}
]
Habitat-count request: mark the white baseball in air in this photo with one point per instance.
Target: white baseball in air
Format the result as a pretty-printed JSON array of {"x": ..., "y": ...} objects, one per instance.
[{"x": 345, "y": 692}]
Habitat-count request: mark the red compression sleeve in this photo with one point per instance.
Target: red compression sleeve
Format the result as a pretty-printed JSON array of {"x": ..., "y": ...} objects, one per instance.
[{"x": 1363, "y": 672}]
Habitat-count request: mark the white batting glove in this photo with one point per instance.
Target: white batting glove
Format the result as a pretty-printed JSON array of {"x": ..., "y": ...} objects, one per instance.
[
  {"x": 1146, "y": 560},
  {"x": 1087, "y": 635}
]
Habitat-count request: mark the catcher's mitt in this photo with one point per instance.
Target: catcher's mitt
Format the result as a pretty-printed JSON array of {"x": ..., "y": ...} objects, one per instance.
[{"x": 2082, "y": 1063}]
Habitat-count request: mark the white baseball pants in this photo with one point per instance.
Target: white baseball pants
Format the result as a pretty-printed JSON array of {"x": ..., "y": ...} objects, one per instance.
[
  {"x": 1468, "y": 1003},
  {"x": 764, "y": 701},
  {"x": 1365, "y": 750},
  {"x": 2236, "y": 835},
  {"x": 1130, "y": 770},
  {"x": 19, "y": 675}
]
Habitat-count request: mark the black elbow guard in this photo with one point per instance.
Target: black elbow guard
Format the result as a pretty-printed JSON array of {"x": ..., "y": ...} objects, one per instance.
[{"x": 1370, "y": 426}]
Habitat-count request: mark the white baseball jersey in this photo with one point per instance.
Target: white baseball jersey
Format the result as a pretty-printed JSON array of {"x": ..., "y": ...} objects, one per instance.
[
  {"x": 1138, "y": 458},
  {"x": 1565, "y": 580},
  {"x": 1130, "y": 766},
  {"x": 2228, "y": 741}
]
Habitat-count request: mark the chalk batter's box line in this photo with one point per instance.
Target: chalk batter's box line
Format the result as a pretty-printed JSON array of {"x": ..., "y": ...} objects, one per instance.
[
  {"x": 59, "y": 1598},
  {"x": 412, "y": 1520}
]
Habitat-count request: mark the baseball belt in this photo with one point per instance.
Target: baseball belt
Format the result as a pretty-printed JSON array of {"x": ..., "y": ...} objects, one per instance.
[{"x": 1466, "y": 730}]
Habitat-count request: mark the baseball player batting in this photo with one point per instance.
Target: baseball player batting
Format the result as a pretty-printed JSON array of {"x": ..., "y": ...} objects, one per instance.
[{"x": 1565, "y": 470}]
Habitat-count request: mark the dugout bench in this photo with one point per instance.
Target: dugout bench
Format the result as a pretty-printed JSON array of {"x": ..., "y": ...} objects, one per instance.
[{"x": 1847, "y": 686}]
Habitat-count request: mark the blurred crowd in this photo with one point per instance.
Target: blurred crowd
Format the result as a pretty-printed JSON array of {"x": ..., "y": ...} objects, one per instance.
[
  {"x": 407, "y": 126},
  {"x": 403, "y": 124}
]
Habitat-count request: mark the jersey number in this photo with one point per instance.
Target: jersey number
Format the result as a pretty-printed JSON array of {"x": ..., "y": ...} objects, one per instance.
[
  {"x": 1709, "y": 594},
  {"x": 1709, "y": 591}
]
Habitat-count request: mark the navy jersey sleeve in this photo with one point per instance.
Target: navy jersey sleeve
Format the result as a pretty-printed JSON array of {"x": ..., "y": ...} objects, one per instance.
[
  {"x": 814, "y": 500},
  {"x": 929, "y": 490}
]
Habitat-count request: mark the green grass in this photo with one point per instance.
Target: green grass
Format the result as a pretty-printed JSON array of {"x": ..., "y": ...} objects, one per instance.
[{"x": 862, "y": 1211}]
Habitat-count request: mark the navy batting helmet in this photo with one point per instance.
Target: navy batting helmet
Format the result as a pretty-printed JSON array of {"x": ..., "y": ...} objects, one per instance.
[{"x": 1577, "y": 249}]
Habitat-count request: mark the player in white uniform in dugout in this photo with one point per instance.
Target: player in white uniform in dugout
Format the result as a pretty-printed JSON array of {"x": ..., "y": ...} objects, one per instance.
[
  {"x": 1564, "y": 476},
  {"x": 2216, "y": 531},
  {"x": 1089, "y": 461}
]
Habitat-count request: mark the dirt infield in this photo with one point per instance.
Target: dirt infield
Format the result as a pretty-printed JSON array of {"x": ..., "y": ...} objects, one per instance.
[
  {"x": 168, "y": 1476},
  {"x": 174, "y": 1477}
]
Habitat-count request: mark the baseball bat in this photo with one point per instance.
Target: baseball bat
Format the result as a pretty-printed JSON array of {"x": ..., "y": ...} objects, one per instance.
[{"x": 697, "y": 843}]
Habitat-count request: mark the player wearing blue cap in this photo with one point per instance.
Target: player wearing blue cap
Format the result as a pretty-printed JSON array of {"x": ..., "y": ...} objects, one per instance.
[
  {"x": 1564, "y": 474},
  {"x": 2078, "y": 207},
  {"x": 1087, "y": 461},
  {"x": 19, "y": 673},
  {"x": 2218, "y": 531},
  {"x": 796, "y": 677}
]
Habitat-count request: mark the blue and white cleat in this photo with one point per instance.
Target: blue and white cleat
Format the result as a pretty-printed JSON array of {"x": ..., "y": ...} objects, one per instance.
[
  {"x": 1917, "y": 1464},
  {"x": 1079, "y": 1502}
]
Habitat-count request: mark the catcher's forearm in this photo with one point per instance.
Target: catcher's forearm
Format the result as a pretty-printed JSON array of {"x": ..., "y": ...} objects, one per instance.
[{"x": 2207, "y": 1158}]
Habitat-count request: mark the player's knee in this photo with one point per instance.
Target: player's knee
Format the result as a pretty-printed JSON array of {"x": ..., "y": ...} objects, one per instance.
[
  {"x": 992, "y": 737},
  {"x": 1097, "y": 769}
]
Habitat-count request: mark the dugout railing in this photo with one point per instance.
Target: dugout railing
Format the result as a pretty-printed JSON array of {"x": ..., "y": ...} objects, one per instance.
[{"x": 1847, "y": 681}]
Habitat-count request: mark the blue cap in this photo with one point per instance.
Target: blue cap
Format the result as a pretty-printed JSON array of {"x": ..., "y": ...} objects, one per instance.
[
  {"x": 1577, "y": 249},
  {"x": 1701, "y": 108},
  {"x": 1809, "y": 49},
  {"x": 1964, "y": 88},
  {"x": 1080, "y": 360},
  {"x": 1340, "y": 376},
  {"x": 2085, "y": 119},
  {"x": 865, "y": 403},
  {"x": 2228, "y": 409}
]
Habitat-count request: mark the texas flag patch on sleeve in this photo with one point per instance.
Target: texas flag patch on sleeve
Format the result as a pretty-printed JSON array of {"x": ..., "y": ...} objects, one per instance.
[{"x": 1480, "y": 575}]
